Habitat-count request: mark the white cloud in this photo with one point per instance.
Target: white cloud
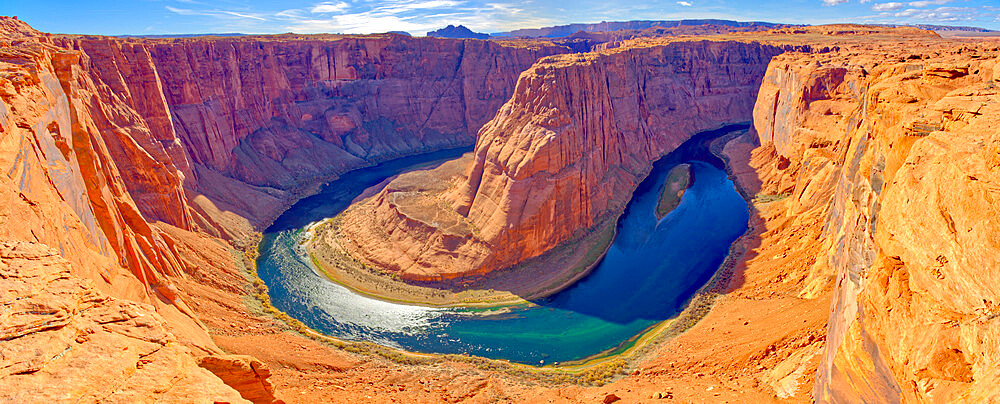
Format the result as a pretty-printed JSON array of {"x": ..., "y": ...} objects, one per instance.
[
  {"x": 368, "y": 16},
  {"x": 685, "y": 3},
  {"x": 290, "y": 14},
  {"x": 415, "y": 16},
  {"x": 925, "y": 3},
  {"x": 399, "y": 7},
  {"x": 243, "y": 15},
  {"x": 217, "y": 13},
  {"x": 892, "y": 6},
  {"x": 329, "y": 7},
  {"x": 183, "y": 11},
  {"x": 834, "y": 2},
  {"x": 940, "y": 14}
]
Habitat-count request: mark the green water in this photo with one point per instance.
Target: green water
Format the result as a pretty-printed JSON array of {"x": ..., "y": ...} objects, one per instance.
[{"x": 651, "y": 270}]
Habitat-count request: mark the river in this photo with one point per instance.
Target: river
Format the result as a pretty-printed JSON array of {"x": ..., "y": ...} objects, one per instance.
[{"x": 651, "y": 270}]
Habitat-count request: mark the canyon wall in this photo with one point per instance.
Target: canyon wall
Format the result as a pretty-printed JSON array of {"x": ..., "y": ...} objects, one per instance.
[
  {"x": 248, "y": 121},
  {"x": 898, "y": 153},
  {"x": 217, "y": 135},
  {"x": 106, "y": 142},
  {"x": 582, "y": 131},
  {"x": 74, "y": 241},
  {"x": 62, "y": 134},
  {"x": 565, "y": 153}
]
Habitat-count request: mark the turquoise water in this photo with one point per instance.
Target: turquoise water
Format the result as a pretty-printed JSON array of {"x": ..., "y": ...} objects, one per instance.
[{"x": 651, "y": 270}]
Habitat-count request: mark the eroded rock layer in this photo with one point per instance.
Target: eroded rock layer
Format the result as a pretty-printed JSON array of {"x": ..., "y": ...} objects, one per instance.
[
  {"x": 61, "y": 340},
  {"x": 899, "y": 155},
  {"x": 563, "y": 154},
  {"x": 249, "y": 121},
  {"x": 62, "y": 133}
]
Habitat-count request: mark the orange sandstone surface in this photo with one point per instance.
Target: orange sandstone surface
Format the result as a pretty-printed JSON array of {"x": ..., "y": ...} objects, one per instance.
[
  {"x": 135, "y": 172},
  {"x": 561, "y": 156}
]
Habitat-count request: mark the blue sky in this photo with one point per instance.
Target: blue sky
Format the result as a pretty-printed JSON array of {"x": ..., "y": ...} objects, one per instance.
[{"x": 419, "y": 16}]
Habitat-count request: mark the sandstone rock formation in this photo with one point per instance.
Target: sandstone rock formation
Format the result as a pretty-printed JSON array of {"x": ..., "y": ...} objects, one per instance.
[
  {"x": 260, "y": 117},
  {"x": 136, "y": 131},
  {"x": 63, "y": 341},
  {"x": 246, "y": 374},
  {"x": 564, "y": 154},
  {"x": 903, "y": 152},
  {"x": 63, "y": 185}
]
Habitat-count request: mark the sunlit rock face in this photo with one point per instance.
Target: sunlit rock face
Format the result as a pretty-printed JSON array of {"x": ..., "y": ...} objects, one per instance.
[
  {"x": 565, "y": 152},
  {"x": 899, "y": 156},
  {"x": 262, "y": 117},
  {"x": 106, "y": 142},
  {"x": 68, "y": 139},
  {"x": 64, "y": 339}
]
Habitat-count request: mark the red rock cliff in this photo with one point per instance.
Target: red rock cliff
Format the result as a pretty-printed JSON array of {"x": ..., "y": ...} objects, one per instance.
[
  {"x": 900, "y": 158},
  {"x": 566, "y": 151},
  {"x": 581, "y": 131},
  {"x": 215, "y": 134},
  {"x": 62, "y": 134},
  {"x": 248, "y": 121},
  {"x": 73, "y": 150}
]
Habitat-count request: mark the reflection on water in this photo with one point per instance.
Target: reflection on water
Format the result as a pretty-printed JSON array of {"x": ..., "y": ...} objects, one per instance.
[{"x": 650, "y": 271}]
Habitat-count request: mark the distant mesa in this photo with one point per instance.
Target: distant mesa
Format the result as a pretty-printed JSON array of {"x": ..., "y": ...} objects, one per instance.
[
  {"x": 950, "y": 31},
  {"x": 460, "y": 31},
  {"x": 399, "y": 33},
  {"x": 168, "y": 36},
  {"x": 930, "y": 27},
  {"x": 561, "y": 31}
]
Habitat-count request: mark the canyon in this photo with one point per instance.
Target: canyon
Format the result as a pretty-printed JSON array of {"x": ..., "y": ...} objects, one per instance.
[
  {"x": 577, "y": 136},
  {"x": 139, "y": 173}
]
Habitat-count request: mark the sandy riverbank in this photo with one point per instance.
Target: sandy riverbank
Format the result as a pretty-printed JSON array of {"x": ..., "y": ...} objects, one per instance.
[{"x": 531, "y": 280}]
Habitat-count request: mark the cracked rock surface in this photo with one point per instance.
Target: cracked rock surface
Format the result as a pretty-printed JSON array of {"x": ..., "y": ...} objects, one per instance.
[{"x": 89, "y": 347}]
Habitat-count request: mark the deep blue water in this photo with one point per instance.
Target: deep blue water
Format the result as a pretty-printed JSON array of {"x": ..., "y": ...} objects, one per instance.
[{"x": 650, "y": 272}]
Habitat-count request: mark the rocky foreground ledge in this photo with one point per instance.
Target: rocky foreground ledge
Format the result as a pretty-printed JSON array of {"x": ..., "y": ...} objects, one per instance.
[{"x": 61, "y": 339}]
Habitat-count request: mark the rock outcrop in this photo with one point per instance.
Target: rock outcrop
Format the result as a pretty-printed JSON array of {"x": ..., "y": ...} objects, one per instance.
[
  {"x": 62, "y": 340},
  {"x": 62, "y": 133},
  {"x": 261, "y": 117},
  {"x": 243, "y": 373},
  {"x": 564, "y": 154},
  {"x": 899, "y": 155}
]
